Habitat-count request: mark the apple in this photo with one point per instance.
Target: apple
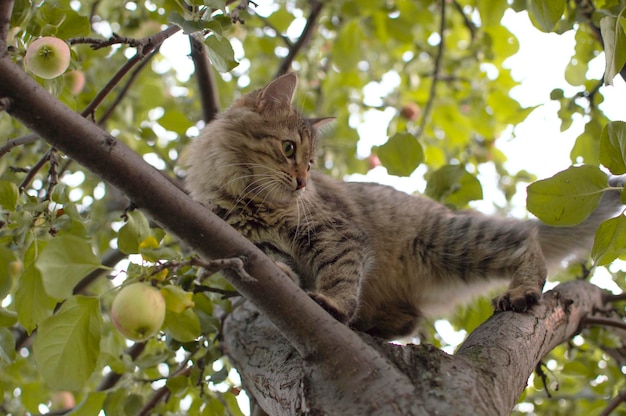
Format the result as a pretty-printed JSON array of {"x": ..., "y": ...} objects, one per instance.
[
  {"x": 75, "y": 81},
  {"x": 410, "y": 111},
  {"x": 48, "y": 57},
  {"x": 138, "y": 311}
]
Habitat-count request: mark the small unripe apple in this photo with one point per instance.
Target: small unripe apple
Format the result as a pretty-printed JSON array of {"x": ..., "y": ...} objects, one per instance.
[
  {"x": 138, "y": 311},
  {"x": 48, "y": 57}
]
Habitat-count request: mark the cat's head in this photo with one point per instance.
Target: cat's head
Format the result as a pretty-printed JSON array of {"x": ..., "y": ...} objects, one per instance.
[{"x": 260, "y": 149}]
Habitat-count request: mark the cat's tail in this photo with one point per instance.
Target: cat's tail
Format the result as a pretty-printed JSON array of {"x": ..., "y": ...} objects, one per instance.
[{"x": 561, "y": 244}]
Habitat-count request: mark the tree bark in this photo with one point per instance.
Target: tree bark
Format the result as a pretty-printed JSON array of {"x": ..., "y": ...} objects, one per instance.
[{"x": 485, "y": 376}]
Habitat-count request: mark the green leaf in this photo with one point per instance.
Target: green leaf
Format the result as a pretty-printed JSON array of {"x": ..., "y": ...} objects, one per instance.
[
  {"x": 568, "y": 197},
  {"x": 546, "y": 13},
  {"x": 91, "y": 405},
  {"x": 491, "y": 12},
  {"x": 67, "y": 345},
  {"x": 176, "y": 121},
  {"x": 73, "y": 26},
  {"x": 452, "y": 184},
  {"x": 7, "y": 259},
  {"x": 401, "y": 155},
  {"x": 610, "y": 241},
  {"x": 7, "y": 318},
  {"x": 613, "y": 147},
  {"x": 64, "y": 263},
  {"x": 183, "y": 327},
  {"x": 32, "y": 302},
  {"x": 7, "y": 347},
  {"x": 614, "y": 38},
  {"x": 220, "y": 53},
  {"x": 136, "y": 230},
  {"x": 9, "y": 195},
  {"x": 188, "y": 26},
  {"x": 176, "y": 299},
  {"x": 347, "y": 47}
]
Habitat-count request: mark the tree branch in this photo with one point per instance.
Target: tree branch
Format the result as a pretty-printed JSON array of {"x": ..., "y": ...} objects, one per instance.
[
  {"x": 6, "y": 7},
  {"x": 205, "y": 78},
  {"x": 491, "y": 368},
  {"x": 311, "y": 23},
  {"x": 149, "y": 44},
  {"x": 436, "y": 70}
]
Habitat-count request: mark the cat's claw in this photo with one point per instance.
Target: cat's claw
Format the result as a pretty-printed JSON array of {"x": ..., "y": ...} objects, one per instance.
[
  {"x": 329, "y": 306},
  {"x": 517, "y": 300}
]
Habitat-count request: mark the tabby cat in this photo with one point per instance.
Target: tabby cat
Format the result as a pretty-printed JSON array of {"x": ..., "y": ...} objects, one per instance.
[{"x": 374, "y": 257}]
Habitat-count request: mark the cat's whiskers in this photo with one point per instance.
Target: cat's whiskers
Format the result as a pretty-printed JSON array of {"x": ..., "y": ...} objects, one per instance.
[{"x": 322, "y": 214}]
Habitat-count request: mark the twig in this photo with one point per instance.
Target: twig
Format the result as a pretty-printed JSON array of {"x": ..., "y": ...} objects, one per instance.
[
  {"x": 210, "y": 267},
  {"x": 604, "y": 322},
  {"x": 205, "y": 79},
  {"x": 131, "y": 79},
  {"x": 436, "y": 71},
  {"x": 162, "y": 392},
  {"x": 115, "y": 39},
  {"x": 288, "y": 42},
  {"x": 112, "y": 378},
  {"x": 311, "y": 22},
  {"x": 53, "y": 174},
  {"x": 235, "y": 14},
  {"x": 18, "y": 141},
  {"x": 215, "y": 266},
  {"x": 225, "y": 293},
  {"x": 468, "y": 23},
  {"x": 35, "y": 169},
  {"x": 109, "y": 259},
  {"x": 544, "y": 377},
  {"x": 620, "y": 398},
  {"x": 149, "y": 44}
]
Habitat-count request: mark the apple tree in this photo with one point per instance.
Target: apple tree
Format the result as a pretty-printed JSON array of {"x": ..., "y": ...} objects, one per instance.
[{"x": 99, "y": 239}]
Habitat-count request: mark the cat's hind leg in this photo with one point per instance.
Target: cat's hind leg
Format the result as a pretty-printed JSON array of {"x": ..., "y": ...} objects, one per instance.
[{"x": 527, "y": 281}]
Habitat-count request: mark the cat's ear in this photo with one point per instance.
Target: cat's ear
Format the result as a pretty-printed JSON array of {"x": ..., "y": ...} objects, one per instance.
[
  {"x": 280, "y": 91},
  {"x": 318, "y": 123}
]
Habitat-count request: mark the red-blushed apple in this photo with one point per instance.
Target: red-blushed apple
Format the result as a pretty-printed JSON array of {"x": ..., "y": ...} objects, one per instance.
[
  {"x": 138, "y": 311},
  {"x": 75, "y": 81},
  {"x": 410, "y": 111},
  {"x": 48, "y": 57}
]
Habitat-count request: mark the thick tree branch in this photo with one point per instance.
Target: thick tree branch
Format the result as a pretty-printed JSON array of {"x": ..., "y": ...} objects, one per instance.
[
  {"x": 491, "y": 367},
  {"x": 307, "y": 326}
]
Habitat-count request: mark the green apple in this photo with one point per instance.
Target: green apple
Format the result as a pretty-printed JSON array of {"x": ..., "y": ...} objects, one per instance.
[
  {"x": 138, "y": 311},
  {"x": 48, "y": 57}
]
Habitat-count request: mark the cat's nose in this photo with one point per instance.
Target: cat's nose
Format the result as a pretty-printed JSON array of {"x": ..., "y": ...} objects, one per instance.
[{"x": 300, "y": 183}]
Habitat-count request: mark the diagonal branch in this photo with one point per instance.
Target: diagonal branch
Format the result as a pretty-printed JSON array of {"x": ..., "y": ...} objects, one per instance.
[
  {"x": 205, "y": 78},
  {"x": 311, "y": 23},
  {"x": 436, "y": 71}
]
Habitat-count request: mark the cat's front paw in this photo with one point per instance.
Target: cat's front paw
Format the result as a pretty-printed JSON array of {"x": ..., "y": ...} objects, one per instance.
[
  {"x": 329, "y": 306},
  {"x": 517, "y": 300}
]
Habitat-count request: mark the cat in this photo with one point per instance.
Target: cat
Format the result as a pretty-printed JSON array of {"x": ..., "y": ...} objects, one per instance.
[{"x": 375, "y": 258}]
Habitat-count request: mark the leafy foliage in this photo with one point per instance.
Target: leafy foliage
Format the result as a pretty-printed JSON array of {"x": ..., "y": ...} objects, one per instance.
[{"x": 64, "y": 232}]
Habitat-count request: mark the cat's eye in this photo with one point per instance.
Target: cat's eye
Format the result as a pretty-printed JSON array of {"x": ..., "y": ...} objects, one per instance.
[{"x": 289, "y": 148}]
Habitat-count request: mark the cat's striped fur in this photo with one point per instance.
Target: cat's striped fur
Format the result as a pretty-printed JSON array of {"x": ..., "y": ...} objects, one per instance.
[{"x": 372, "y": 256}]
